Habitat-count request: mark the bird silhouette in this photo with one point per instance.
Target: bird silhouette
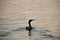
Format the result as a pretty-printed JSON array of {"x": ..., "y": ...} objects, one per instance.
[{"x": 29, "y": 28}]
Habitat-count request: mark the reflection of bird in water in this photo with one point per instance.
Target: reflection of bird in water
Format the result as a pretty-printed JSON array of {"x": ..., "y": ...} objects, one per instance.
[{"x": 30, "y": 27}]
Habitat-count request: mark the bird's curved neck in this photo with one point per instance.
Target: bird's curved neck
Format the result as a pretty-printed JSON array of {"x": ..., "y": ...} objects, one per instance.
[{"x": 29, "y": 23}]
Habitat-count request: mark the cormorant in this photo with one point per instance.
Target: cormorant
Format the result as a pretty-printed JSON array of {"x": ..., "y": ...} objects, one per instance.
[{"x": 30, "y": 27}]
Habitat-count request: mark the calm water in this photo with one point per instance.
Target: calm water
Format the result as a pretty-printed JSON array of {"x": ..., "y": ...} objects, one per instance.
[
  {"x": 14, "y": 16},
  {"x": 15, "y": 30}
]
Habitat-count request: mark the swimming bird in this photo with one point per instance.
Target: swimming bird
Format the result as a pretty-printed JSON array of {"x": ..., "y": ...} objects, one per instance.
[{"x": 29, "y": 28}]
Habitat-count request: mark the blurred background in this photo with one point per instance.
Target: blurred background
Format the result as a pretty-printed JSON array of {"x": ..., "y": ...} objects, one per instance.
[{"x": 15, "y": 14}]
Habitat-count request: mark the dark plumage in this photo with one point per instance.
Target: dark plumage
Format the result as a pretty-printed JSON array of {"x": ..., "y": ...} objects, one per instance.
[{"x": 30, "y": 27}]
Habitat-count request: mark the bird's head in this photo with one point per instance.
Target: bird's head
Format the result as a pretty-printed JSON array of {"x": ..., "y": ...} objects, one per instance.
[{"x": 31, "y": 20}]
